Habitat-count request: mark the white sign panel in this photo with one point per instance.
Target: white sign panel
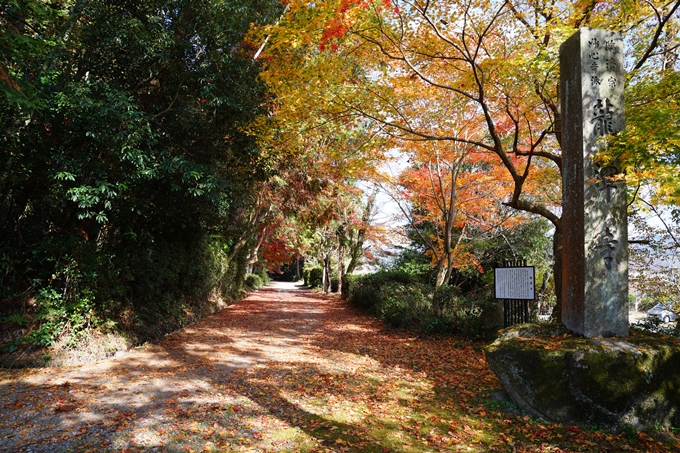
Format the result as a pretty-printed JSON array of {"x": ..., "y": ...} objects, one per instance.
[{"x": 515, "y": 283}]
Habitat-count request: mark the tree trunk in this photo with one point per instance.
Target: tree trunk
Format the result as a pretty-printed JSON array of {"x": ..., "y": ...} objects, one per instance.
[
  {"x": 356, "y": 251},
  {"x": 357, "y": 245},
  {"x": 441, "y": 271},
  {"x": 341, "y": 266},
  {"x": 327, "y": 273}
]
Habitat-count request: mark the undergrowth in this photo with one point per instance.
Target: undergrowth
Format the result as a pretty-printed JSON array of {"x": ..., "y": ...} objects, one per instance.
[
  {"x": 400, "y": 300},
  {"x": 87, "y": 308}
]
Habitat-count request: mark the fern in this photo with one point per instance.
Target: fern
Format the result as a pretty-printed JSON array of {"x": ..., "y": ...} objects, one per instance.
[{"x": 19, "y": 319}]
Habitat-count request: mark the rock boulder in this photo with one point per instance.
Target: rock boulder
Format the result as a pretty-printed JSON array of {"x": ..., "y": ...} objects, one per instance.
[{"x": 609, "y": 383}]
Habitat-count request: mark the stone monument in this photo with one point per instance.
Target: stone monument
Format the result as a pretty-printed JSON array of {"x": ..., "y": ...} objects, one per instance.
[
  {"x": 611, "y": 383},
  {"x": 594, "y": 218}
]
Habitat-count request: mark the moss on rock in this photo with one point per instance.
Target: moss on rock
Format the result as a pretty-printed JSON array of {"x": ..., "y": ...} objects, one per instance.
[{"x": 606, "y": 382}]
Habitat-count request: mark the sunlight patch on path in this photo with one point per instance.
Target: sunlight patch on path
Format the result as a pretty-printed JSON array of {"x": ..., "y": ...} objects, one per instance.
[{"x": 136, "y": 393}]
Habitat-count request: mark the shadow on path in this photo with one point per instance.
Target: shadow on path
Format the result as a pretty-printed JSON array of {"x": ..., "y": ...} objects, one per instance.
[{"x": 219, "y": 381}]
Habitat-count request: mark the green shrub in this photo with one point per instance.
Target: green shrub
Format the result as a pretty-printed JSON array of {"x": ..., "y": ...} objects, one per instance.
[
  {"x": 316, "y": 277},
  {"x": 63, "y": 316},
  {"x": 435, "y": 325},
  {"x": 416, "y": 265},
  {"x": 305, "y": 276},
  {"x": 404, "y": 305},
  {"x": 647, "y": 303},
  {"x": 334, "y": 284},
  {"x": 445, "y": 299},
  {"x": 347, "y": 282},
  {"x": 465, "y": 313},
  {"x": 264, "y": 276},
  {"x": 365, "y": 290},
  {"x": 254, "y": 281},
  {"x": 657, "y": 326},
  {"x": 400, "y": 300},
  {"x": 20, "y": 319},
  {"x": 233, "y": 277}
]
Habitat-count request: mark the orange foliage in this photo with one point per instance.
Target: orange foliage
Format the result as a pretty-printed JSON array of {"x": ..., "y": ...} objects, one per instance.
[{"x": 454, "y": 188}]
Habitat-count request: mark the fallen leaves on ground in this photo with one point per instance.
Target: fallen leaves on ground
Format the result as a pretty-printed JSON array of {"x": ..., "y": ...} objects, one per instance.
[{"x": 286, "y": 369}]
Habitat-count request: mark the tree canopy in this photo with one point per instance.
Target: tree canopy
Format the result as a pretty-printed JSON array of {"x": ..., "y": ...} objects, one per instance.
[
  {"x": 413, "y": 70},
  {"x": 154, "y": 152},
  {"x": 128, "y": 155}
]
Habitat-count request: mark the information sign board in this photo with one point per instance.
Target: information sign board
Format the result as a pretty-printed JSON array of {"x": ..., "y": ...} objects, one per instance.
[{"x": 516, "y": 283}]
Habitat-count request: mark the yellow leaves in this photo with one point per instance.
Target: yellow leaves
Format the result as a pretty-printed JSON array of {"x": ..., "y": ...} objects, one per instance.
[{"x": 465, "y": 259}]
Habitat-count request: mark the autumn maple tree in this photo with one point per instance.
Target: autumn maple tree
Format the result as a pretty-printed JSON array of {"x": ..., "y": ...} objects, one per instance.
[
  {"x": 322, "y": 157},
  {"x": 313, "y": 205},
  {"x": 405, "y": 66},
  {"x": 447, "y": 195}
]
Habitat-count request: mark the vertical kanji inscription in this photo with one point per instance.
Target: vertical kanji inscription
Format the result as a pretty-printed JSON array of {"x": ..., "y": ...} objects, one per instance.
[
  {"x": 595, "y": 226},
  {"x": 603, "y": 115}
]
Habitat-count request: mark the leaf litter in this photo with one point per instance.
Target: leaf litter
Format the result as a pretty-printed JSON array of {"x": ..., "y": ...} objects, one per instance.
[{"x": 287, "y": 369}]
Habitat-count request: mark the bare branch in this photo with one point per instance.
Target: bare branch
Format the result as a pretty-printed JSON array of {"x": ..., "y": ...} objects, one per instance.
[{"x": 654, "y": 43}]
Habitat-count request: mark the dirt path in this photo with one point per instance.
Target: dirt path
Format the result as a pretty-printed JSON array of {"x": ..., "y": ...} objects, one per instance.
[
  {"x": 131, "y": 399},
  {"x": 287, "y": 369}
]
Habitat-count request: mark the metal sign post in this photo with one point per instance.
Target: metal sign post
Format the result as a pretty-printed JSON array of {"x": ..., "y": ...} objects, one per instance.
[{"x": 515, "y": 284}]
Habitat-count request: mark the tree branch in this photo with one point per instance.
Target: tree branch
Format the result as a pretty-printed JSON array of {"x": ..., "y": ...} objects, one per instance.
[{"x": 657, "y": 34}]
